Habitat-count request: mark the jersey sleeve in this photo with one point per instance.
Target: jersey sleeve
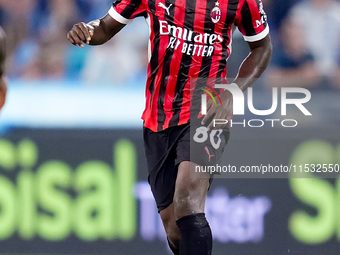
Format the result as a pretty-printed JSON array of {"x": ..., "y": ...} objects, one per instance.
[
  {"x": 252, "y": 21},
  {"x": 124, "y": 11}
]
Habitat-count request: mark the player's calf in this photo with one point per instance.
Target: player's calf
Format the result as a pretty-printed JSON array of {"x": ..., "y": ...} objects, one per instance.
[
  {"x": 189, "y": 202},
  {"x": 196, "y": 237},
  {"x": 171, "y": 229}
]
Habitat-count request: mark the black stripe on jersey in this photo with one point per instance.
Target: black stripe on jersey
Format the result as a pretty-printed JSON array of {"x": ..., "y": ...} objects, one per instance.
[
  {"x": 166, "y": 71},
  {"x": 130, "y": 8},
  {"x": 185, "y": 65},
  {"x": 231, "y": 14},
  {"x": 247, "y": 21},
  {"x": 155, "y": 53},
  {"x": 209, "y": 27},
  {"x": 116, "y": 3}
]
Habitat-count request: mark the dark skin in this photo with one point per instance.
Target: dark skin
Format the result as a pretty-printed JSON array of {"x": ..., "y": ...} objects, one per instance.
[
  {"x": 100, "y": 31},
  {"x": 251, "y": 69},
  {"x": 190, "y": 193},
  {"x": 96, "y": 32},
  {"x": 3, "y": 82}
]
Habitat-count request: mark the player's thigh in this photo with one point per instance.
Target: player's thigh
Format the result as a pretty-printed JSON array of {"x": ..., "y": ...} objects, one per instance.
[
  {"x": 190, "y": 190},
  {"x": 160, "y": 154}
]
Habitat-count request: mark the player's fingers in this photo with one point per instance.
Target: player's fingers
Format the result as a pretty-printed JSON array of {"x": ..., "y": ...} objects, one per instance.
[
  {"x": 205, "y": 118},
  {"x": 209, "y": 105},
  {"x": 208, "y": 116},
  {"x": 212, "y": 123},
  {"x": 228, "y": 114},
  {"x": 80, "y": 34},
  {"x": 75, "y": 38},
  {"x": 70, "y": 38},
  {"x": 220, "y": 119},
  {"x": 90, "y": 29},
  {"x": 85, "y": 31},
  {"x": 222, "y": 114}
]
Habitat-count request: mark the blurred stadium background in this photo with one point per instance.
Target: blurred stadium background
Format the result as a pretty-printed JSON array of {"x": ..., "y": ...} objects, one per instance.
[{"x": 72, "y": 167}]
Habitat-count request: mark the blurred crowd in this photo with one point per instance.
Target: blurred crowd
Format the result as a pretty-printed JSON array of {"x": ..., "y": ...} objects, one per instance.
[
  {"x": 38, "y": 50},
  {"x": 307, "y": 45},
  {"x": 305, "y": 33}
]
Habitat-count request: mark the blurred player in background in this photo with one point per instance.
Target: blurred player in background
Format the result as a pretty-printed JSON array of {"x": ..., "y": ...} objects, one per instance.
[
  {"x": 3, "y": 83},
  {"x": 190, "y": 40}
]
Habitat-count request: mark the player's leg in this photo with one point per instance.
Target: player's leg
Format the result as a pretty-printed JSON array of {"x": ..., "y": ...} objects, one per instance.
[
  {"x": 160, "y": 151},
  {"x": 191, "y": 187},
  {"x": 189, "y": 198},
  {"x": 190, "y": 192},
  {"x": 189, "y": 202},
  {"x": 172, "y": 231}
]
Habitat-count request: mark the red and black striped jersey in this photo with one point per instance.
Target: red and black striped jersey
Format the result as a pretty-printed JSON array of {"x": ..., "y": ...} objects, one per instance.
[{"x": 189, "y": 39}]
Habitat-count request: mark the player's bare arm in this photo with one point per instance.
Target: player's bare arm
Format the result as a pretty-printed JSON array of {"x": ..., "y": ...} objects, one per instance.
[
  {"x": 3, "y": 83},
  {"x": 251, "y": 69},
  {"x": 96, "y": 32},
  {"x": 256, "y": 62}
]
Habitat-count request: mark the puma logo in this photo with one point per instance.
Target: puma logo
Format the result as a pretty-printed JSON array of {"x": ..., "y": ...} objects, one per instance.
[
  {"x": 165, "y": 8},
  {"x": 207, "y": 150}
]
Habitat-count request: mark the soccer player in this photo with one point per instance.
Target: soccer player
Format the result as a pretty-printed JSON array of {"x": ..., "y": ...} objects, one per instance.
[
  {"x": 3, "y": 83},
  {"x": 190, "y": 42}
]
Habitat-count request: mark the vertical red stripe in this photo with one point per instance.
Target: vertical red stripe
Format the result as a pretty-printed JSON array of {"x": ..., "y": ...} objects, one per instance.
[
  {"x": 163, "y": 44},
  {"x": 196, "y": 63},
  {"x": 174, "y": 65},
  {"x": 122, "y": 5},
  {"x": 147, "y": 114},
  {"x": 238, "y": 17}
]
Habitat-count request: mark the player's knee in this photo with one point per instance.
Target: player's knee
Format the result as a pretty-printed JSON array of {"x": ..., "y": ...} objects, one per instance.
[
  {"x": 189, "y": 199},
  {"x": 190, "y": 194},
  {"x": 191, "y": 188},
  {"x": 187, "y": 189},
  {"x": 185, "y": 196}
]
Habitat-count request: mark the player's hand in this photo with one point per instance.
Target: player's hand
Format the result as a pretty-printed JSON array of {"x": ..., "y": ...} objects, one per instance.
[
  {"x": 80, "y": 33},
  {"x": 221, "y": 112}
]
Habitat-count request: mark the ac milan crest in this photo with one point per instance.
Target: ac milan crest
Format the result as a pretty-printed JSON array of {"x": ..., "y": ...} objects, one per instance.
[{"x": 216, "y": 13}]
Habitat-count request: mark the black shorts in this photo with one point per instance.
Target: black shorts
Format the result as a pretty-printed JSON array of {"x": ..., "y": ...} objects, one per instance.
[{"x": 166, "y": 149}]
